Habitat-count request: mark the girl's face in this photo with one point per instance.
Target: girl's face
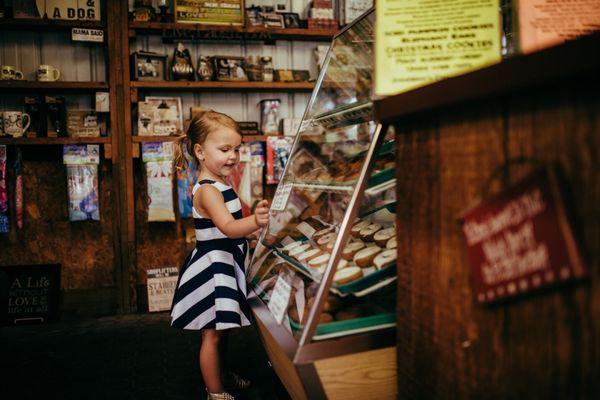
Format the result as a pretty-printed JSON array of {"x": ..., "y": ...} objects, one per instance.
[{"x": 220, "y": 152}]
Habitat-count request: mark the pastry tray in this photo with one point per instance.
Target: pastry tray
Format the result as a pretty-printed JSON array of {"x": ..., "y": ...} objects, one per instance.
[{"x": 352, "y": 326}]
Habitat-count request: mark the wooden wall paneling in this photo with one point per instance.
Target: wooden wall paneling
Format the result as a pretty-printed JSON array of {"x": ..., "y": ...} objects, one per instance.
[
  {"x": 562, "y": 125},
  {"x": 417, "y": 209}
]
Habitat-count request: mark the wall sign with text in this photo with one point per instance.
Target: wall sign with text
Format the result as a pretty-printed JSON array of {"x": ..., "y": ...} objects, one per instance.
[
  {"x": 521, "y": 240},
  {"x": 29, "y": 293}
]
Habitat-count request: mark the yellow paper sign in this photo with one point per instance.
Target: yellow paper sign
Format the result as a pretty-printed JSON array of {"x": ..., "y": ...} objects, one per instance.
[{"x": 422, "y": 41}]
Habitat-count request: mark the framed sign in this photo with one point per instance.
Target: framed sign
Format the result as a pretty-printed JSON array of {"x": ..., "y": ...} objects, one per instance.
[
  {"x": 520, "y": 240},
  {"x": 29, "y": 293},
  {"x": 161, "y": 288},
  {"x": 225, "y": 12}
]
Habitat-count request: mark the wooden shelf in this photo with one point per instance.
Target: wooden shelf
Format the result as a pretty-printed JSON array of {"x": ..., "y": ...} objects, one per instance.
[
  {"x": 225, "y": 86},
  {"x": 245, "y": 138},
  {"x": 22, "y": 141},
  {"x": 52, "y": 86},
  {"x": 577, "y": 60},
  {"x": 216, "y": 32},
  {"x": 47, "y": 24}
]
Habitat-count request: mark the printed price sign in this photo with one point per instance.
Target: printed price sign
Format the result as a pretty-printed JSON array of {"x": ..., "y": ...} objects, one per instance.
[
  {"x": 281, "y": 197},
  {"x": 521, "y": 240},
  {"x": 280, "y": 298},
  {"x": 87, "y": 35}
]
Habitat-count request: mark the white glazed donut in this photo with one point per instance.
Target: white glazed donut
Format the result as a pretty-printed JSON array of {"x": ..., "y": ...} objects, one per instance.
[
  {"x": 351, "y": 249},
  {"x": 347, "y": 275},
  {"x": 381, "y": 237},
  {"x": 392, "y": 243},
  {"x": 308, "y": 255},
  {"x": 364, "y": 258},
  {"x": 290, "y": 246},
  {"x": 299, "y": 249},
  {"x": 357, "y": 228},
  {"x": 384, "y": 258},
  {"x": 325, "y": 239},
  {"x": 367, "y": 233},
  {"x": 321, "y": 259}
]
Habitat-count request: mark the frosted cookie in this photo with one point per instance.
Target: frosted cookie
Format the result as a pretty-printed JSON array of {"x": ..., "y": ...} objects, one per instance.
[
  {"x": 384, "y": 258},
  {"x": 392, "y": 243},
  {"x": 308, "y": 255},
  {"x": 382, "y": 236},
  {"x": 351, "y": 249},
  {"x": 299, "y": 249},
  {"x": 324, "y": 240},
  {"x": 288, "y": 247},
  {"x": 367, "y": 233},
  {"x": 364, "y": 258},
  {"x": 320, "y": 260},
  {"x": 355, "y": 231},
  {"x": 347, "y": 275},
  {"x": 322, "y": 232}
]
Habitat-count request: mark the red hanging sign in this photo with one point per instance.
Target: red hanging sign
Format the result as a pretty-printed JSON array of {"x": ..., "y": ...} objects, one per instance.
[{"x": 521, "y": 240}]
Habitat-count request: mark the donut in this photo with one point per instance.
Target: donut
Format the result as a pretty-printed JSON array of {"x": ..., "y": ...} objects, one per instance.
[
  {"x": 381, "y": 237},
  {"x": 347, "y": 275},
  {"x": 322, "y": 232},
  {"x": 325, "y": 239},
  {"x": 299, "y": 249},
  {"x": 364, "y": 258},
  {"x": 351, "y": 249},
  {"x": 392, "y": 243},
  {"x": 308, "y": 255},
  {"x": 321, "y": 259},
  {"x": 290, "y": 246},
  {"x": 367, "y": 233},
  {"x": 355, "y": 231},
  {"x": 329, "y": 246},
  {"x": 341, "y": 265},
  {"x": 384, "y": 258}
]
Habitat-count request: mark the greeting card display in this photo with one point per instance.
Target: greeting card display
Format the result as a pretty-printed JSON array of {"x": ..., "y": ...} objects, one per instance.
[
  {"x": 521, "y": 240},
  {"x": 160, "y": 116},
  {"x": 159, "y": 173},
  {"x": 82, "y": 181}
]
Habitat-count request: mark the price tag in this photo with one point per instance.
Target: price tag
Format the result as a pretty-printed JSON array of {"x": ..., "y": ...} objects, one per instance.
[
  {"x": 280, "y": 298},
  {"x": 281, "y": 197}
]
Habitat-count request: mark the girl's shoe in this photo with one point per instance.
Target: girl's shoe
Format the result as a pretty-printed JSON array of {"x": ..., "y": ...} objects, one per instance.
[
  {"x": 235, "y": 382},
  {"x": 219, "y": 396}
]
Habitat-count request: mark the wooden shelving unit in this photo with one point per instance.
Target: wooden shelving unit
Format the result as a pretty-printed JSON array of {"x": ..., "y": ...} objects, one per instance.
[
  {"x": 52, "y": 86},
  {"x": 25, "y": 141},
  {"x": 212, "y": 32},
  {"x": 246, "y": 138},
  {"x": 225, "y": 86},
  {"x": 47, "y": 24}
]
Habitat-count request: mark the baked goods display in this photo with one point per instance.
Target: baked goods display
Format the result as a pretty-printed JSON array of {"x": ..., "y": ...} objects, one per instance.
[
  {"x": 382, "y": 236},
  {"x": 384, "y": 258},
  {"x": 364, "y": 258}
]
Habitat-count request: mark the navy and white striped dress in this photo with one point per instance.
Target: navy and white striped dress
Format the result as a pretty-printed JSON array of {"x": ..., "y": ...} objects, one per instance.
[{"x": 211, "y": 291}]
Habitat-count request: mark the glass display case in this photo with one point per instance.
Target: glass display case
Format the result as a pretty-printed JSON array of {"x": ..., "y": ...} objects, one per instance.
[{"x": 323, "y": 273}]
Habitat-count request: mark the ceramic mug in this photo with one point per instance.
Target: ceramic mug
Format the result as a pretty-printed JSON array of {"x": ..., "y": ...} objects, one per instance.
[
  {"x": 13, "y": 123},
  {"x": 47, "y": 73},
  {"x": 8, "y": 72}
]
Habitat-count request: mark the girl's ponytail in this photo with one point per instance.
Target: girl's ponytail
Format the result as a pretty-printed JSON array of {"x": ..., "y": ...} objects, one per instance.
[{"x": 180, "y": 148}]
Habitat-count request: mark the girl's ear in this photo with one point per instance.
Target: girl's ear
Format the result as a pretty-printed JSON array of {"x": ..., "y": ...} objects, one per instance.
[{"x": 199, "y": 152}]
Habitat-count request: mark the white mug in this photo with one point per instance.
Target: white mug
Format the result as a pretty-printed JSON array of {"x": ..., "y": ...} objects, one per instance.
[
  {"x": 47, "y": 73},
  {"x": 8, "y": 72},
  {"x": 13, "y": 123}
]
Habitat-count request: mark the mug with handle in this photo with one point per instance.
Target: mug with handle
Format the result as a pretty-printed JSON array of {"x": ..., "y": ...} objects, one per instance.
[
  {"x": 8, "y": 72},
  {"x": 47, "y": 73},
  {"x": 13, "y": 123}
]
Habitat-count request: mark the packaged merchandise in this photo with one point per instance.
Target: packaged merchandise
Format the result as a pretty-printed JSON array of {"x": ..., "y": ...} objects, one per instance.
[
  {"x": 82, "y": 181},
  {"x": 158, "y": 157},
  {"x": 186, "y": 179},
  {"x": 278, "y": 151},
  {"x": 4, "y": 226}
]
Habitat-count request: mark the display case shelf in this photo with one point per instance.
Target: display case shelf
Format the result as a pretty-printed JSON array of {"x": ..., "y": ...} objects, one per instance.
[
  {"x": 225, "y": 86},
  {"x": 25, "y": 141},
  {"x": 44, "y": 24},
  {"x": 52, "y": 86},
  {"x": 172, "y": 31}
]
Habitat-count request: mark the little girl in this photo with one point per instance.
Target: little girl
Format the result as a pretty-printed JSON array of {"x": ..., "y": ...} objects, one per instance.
[{"x": 211, "y": 291}]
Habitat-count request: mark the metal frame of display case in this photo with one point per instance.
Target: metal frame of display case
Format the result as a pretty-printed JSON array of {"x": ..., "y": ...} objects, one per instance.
[{"x": 303, "y": 353}]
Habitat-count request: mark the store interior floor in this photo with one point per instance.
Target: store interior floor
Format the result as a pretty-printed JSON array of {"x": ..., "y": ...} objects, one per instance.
[{"x": 135, "y": 356}]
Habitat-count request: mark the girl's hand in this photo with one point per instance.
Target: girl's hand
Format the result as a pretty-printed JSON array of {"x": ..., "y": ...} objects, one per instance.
[{"x": 261, "y": 213}]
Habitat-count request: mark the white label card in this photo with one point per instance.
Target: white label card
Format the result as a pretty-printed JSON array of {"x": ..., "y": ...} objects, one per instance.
[
  {"x": 280, "y": 298},
  {"x": 281, "y": 197},
  {"x": 87, "y": 35}
]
